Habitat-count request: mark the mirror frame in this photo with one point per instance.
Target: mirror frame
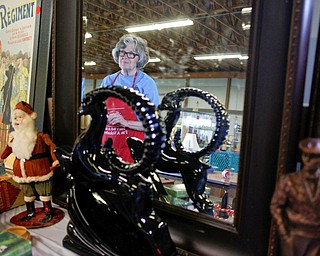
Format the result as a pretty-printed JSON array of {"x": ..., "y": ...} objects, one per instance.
[{"x": 270, "y": 126}]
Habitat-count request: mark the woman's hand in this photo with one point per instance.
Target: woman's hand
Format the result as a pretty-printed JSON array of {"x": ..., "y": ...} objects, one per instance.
[{"x": 116, "y": 118}]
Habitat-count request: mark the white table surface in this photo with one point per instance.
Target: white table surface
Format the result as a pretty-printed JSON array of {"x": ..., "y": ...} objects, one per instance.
[{"x": 46, "y": 241}]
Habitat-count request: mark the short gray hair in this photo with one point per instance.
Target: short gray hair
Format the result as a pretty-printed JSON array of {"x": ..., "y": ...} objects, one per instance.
[{"x": 140, "y": 46}]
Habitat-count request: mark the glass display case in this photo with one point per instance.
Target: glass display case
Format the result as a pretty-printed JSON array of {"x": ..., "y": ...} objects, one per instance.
[{"x": 220, "y": 190}]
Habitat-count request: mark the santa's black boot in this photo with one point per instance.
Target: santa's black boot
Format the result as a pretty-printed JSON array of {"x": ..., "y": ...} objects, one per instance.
[
  {"x": 48, "y": 210},
  {"x": 30, "y": 212}
]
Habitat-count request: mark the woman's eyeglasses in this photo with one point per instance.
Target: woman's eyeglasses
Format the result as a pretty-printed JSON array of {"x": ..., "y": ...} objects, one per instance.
[{"x": 130, "y": 55}]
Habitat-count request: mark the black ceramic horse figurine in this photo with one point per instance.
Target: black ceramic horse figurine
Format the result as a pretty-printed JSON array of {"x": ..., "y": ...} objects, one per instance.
[
  {"x": 175, "y": 159},
  {"x": 110, "y": 201}
]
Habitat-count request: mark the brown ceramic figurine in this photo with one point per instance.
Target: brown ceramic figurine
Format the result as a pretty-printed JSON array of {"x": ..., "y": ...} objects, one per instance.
[{"x": 295, "y": 205}]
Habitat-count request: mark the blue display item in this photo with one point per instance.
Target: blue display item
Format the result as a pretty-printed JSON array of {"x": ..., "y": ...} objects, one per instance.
[
  {"x": 222, "y": 160},
  {"x": 110, "y": 201}
]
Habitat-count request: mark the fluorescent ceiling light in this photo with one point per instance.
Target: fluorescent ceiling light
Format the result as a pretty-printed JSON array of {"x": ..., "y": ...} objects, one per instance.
[
  {"x": 159, "y": 26},
  {"x": 244, "y": 57},
  {"x": 246, "y": 10},
  {"x": 88, "y": 35},
  {"x": 90, "y": 63},
  {"x": 85, "y": 20},
  {"x": 246, "y": 26},
  {"x": 154, "y": 59},
  {"x": 220, "y": 57}
]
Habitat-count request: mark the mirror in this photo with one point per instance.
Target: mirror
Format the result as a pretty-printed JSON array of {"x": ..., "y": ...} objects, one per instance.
[
  {"x": 272, "y": 70},
  {"x": 218, "y": 30},
  {"x": 194, "y": 131}
]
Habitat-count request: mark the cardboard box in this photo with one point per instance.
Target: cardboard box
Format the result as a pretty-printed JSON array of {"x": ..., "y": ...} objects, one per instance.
[
  {"x": 10, "y": 194},
  {"x": 165, "y": 181},
  {"x": 176, "y": 190},
  {"x": 178, "y": 201},
  {"x": 12, "y": 245},
  {"x": 179, "y": 190}
]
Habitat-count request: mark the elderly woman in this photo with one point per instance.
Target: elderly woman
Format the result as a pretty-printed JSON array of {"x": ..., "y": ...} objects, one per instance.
[{"x": 131, "y": 53}]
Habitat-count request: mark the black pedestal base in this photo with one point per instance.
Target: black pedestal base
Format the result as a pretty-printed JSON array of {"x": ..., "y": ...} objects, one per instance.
[
  {"x": 74, "y": 246},
  {"x": 75, "y": 242}
]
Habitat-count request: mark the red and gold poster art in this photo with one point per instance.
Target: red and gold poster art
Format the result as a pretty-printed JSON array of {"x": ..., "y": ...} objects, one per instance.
[{"x": 17, "y": 37}]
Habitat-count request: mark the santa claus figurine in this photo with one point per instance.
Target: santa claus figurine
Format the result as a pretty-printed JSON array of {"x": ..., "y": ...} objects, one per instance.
[{"x": 32, "y": 167}]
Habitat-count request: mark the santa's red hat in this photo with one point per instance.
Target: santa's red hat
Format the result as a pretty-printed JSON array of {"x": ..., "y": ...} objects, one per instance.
[{"x": 26, "y": 107}]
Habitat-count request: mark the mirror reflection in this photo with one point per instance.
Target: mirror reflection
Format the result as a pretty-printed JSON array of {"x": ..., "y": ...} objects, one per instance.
[
  {"x": 196, "y": 128},
  {"x": 119, "y": 132},
  {"x": 210, "y": 54}
]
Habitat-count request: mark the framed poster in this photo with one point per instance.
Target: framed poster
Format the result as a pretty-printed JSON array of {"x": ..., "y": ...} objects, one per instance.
[{"x": 21, "y": 24}]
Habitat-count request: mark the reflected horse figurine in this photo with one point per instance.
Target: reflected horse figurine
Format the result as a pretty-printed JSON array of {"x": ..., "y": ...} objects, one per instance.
[
  {"x": 175, "y": 159},
  {"x": 110, "y": 201}
]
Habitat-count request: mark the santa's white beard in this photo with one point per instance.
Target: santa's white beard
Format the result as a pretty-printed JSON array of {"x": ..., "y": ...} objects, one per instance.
[{"x": 24, "y": 139}]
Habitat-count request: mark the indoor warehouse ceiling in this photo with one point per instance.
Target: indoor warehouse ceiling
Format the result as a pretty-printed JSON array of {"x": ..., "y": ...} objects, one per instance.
[{"x": 218, "y": 28}]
